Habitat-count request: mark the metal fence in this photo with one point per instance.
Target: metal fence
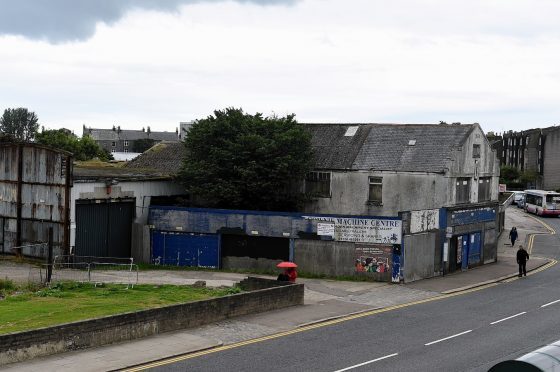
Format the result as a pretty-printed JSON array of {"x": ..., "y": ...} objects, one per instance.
[{"x": 92, "y": 269}]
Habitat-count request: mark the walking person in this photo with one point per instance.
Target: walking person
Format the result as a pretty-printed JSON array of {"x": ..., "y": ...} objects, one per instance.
[
  {"x": 513, "y": 235},
  {"x": 522, "y": 258}
]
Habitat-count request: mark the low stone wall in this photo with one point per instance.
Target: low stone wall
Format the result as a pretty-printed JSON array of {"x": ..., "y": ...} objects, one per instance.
[{"x": 271, "y": 295}]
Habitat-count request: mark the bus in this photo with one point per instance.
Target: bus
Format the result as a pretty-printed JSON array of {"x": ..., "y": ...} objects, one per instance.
[{"x": 542, "y": 203}]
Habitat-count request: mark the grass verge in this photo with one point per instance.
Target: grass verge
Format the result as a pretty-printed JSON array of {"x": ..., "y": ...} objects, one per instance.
[{"x": 24, "y": 308}]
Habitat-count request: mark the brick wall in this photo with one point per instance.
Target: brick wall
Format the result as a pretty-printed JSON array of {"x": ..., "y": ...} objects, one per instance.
[{"x": 273, "y": 295}]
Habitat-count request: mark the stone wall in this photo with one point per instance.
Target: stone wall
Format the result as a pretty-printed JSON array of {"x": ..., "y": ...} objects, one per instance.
[{"x": 20, "y": 346}]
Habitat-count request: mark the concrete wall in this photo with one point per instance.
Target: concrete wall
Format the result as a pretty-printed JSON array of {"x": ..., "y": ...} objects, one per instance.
[
  {"x": 20, "y": 346},
  {"x": 419, "y": 256},
  {"x": 331, "y": 258},
  {"x": 141, "y": 243},
  {"x": 551, "y": 166},
  {"x": 400, "y": 192}
]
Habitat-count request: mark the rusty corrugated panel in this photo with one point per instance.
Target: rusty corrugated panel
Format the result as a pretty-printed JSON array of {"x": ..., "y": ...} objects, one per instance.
[{"x": 35, "y": 186}]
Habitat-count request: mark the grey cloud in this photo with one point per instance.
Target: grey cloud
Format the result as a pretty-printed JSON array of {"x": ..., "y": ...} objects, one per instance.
[{"x": 67, "y": 20}]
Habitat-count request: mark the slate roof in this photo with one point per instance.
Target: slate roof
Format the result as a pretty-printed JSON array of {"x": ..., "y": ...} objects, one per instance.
[
  {"x": 129, "y": 135},
  {"x": 165, "y": 157},
  {"x": 385, "y": 147}
]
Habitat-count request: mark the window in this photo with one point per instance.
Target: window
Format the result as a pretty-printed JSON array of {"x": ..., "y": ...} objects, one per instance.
[
  {"x": 476, "y": 151},
  {"x": 112, "y": 150},
  {"x": 318, "y": 184},
  {"x": 462, "y": 190},
  {"x": 125, "y": 150},
  {"x": 113, "y": 144},
  {"x": 484, "y": 188},
  {"x": 375, "y": 190},
  {"x": 125, "y": 143}
]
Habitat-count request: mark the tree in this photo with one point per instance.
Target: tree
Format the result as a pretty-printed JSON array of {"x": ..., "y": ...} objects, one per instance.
[
  {"x": 20, "y": 123},
  {"x": 508, "y": 174},
  {"x": 242, "y": 161},
  {"x": 84, "y": 148}
]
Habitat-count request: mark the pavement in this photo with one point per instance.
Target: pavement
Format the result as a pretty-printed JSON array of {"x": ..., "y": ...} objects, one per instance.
[{"x": 324, "y": 300}]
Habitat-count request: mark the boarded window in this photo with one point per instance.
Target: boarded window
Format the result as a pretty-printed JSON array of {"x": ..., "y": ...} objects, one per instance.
[
  {"x": 462, "y": 190},
  {"x": 375, "y": 189},
  {"x": 318, "y": 184},
  {"x": 484, "y": 188},
  {"x": 476, "y": 151}
]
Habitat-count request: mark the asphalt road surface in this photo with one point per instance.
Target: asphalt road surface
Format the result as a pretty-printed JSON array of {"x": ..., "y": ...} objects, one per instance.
[{"x": 466, "y": 332}]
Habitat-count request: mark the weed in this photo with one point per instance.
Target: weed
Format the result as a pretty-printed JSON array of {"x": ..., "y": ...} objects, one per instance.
[{"x": 7, "y": 285}]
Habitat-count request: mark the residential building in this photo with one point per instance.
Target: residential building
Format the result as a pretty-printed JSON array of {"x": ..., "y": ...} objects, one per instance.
[
  {"x": 535, "y": 152},
  {"x": 117, "y": 140}
]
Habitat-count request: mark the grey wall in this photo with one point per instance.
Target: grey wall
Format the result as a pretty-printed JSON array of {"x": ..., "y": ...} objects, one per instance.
[
  {"x": 551, "y": 168},
  {"x": 141, "y": 243},
  {"x": 401, "y": 192},
  {"x": 330, "y": 258},
  {"x": 419, "y": 256}
]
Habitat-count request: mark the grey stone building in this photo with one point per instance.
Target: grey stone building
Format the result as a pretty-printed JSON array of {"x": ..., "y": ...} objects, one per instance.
[
  {"x": 124, "y": 140},
  {"x": 383, "y": 169},
  {"x": 535, "y": 151}
]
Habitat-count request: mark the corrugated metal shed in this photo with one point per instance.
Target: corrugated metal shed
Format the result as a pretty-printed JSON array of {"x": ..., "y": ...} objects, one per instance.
[{"x": 35, "y": 186}]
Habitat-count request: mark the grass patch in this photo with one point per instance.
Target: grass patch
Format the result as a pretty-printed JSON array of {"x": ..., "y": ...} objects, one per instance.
[{"x": 26, "y": 308}]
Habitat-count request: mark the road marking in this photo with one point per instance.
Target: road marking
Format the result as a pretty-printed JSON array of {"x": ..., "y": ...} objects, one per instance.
[
  {"x": 368, "y": 362},
  {"x": 187, "y": 356},
  {"x": 509, "y": 317},
  {"x": 550, "y": 303},
  {"x": 447, "y": 338},
  {"x": 551, "y": 231}
]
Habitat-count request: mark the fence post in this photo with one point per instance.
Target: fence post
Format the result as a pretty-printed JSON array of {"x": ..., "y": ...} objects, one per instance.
[{"x": 49, "y": 255}]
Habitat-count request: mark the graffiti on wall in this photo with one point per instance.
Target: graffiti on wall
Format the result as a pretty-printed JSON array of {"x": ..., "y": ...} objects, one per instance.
[
  {"x": 359, "y": 230},
  {"x": 373, "y": 258}
]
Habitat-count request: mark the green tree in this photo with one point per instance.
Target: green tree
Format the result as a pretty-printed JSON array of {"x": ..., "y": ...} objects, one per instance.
[
  {"x": 528, "y": 177},
  {"x": 237, "y": 160},
  {"x": 508, "y": 174},
  {"x": 20, "y": 123},
  {"x": 142, "y": 144},
  {"x": 84, "y": 148}
]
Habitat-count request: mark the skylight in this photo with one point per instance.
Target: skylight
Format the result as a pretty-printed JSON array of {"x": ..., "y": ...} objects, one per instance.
[{"x": 351, "y": 131}]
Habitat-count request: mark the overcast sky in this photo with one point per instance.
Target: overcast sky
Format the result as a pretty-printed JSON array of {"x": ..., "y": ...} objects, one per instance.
[{"x": 136, "y": 63}]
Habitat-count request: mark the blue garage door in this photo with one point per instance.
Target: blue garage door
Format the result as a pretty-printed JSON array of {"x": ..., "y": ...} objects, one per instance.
[{"x": 183, "y": 249}]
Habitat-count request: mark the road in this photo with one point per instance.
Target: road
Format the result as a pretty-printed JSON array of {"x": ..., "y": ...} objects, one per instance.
[{"x": 467, "y": 332}]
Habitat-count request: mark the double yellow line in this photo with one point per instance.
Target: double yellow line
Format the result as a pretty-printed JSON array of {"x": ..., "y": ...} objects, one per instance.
[{"x": 301, "y": 329}]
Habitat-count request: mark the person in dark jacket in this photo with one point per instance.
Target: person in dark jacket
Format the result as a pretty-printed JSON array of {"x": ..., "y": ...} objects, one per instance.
[
  {"x": 513, "y": 235},
  {"x": 522, "y": 258}
]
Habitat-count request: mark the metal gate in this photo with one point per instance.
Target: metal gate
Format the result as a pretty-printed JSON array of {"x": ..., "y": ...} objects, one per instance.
[
  {"x": 185, "y": 249},
  {"x": 103, "y": 228}
]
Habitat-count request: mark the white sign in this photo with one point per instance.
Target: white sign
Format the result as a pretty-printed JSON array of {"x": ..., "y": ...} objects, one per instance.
[
  {"x": 445, "y": 251},
  {"x": 363, "y": 230},
  {"x": 424, "y": 220},
  {"x": 325, "y": 229}
]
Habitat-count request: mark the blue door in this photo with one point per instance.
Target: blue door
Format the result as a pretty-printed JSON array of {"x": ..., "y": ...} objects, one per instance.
[
  {"x": 183, "y": 249},
  {"x": 465, "y": 252},
  {"x": 474, "y": 248}
]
